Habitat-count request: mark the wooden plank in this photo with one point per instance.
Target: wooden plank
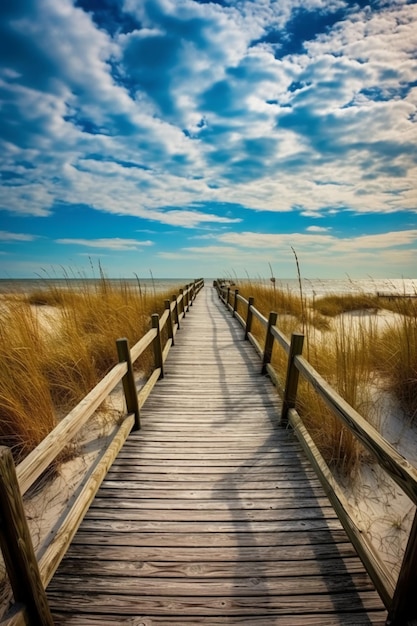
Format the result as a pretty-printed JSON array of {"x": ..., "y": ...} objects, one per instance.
[
  {"x": 286, "y": 502},
  {"x": 184, "y": 463},
  {"x": 295, "y": 534},
  {"x": 353, "y": 619},
  {"x": 312, "y": 519},
  {"x": 234, "y": 587},
  {"x": 207, "y": 570},
  {"x": 300, "y": 604},
  {"x": 192, "y": 516},
  {"x": 336, "y": 547},
  {"x": 225, "y": 481},
  {"x": 219, "y": 495},
  {"x": 142, "y": 344}
]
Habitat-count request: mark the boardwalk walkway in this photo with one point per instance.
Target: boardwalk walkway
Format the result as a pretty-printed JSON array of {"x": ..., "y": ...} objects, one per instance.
[{"x": 210, "y": 514}]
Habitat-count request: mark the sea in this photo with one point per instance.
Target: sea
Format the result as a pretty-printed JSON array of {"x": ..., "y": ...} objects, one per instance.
[{"x": 311, "y": 288}]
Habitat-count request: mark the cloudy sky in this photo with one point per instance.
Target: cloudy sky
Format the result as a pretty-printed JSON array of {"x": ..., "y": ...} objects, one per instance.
[{"x": 199, "y": 138}]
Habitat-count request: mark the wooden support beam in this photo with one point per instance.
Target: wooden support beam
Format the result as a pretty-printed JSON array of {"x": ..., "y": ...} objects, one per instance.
[
  {"x": 404, "y": 603},
  {"x": 128, "y": 380},
  {"x": 16, "y": 544},
  {"x": 249, "y": 318},
  {"x": 182, "y": 302},
  {"x": 269, "y": 341},
  {"x": 176, "y": 316},
  {"x": 169, "y": 322},
  {"x": 235, "y": 301},
  {"x": 291, "y": 382},
  {"x": 157, "y": 347}
]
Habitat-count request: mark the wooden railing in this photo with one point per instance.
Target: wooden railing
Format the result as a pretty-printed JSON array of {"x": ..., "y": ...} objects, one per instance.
[
  {"x": 399, "y": 596},
  {"x": 28, "y": 575}
]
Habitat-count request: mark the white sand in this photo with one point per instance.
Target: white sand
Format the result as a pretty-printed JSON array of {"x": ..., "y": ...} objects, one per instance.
[{"x": 382, "y": 511}]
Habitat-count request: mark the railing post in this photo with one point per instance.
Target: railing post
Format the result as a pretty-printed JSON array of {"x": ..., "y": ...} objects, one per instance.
[
  {"x": 182, "y": 302},
  {"x": 128, "y": 380},
  {"x": 235, "y": 301},
  {"x": 157, "y": 347},
  {"x": 404, "y": 606},
  {"x": 269, "y": 341},
  {"x": 227, "y": 297},
  {"x": 291, "y": 382},
  {"x": 170, "y": 325},
  {"x": 176, "y": 316},
  {"x": 249, "y": 317},
  {"x": 16, "y": 544}
]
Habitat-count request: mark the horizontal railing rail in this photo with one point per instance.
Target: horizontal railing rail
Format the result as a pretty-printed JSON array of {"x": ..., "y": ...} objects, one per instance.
[
  {"x": 397, "y": 595},
  {"x": 29, "y": 573}
]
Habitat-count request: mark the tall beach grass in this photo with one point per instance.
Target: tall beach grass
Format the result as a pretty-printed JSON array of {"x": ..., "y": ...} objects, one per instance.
[
  {"x": 56, "y": 343},
  {"x": 350, "y": 352}
]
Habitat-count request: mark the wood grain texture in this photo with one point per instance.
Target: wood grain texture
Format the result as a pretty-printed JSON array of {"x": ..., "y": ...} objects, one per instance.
[
  {"x": 211, "y": 514},
  {"x": 16, "y": 546}
]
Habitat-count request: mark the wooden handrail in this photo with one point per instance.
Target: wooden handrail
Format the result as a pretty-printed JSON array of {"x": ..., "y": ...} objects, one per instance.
[
  {"x": 36, "y": 462},
  {"x": 31, "y": 573},
  {"x": 399, "y": 469},
  {"x": 397, "y": 596}
]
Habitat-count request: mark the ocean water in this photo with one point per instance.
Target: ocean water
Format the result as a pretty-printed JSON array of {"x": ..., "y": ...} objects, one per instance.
[
  {"x": 311, "y": 287},
  {"x": 319, "y": 287},
  {"x": 145, "y": 285}
]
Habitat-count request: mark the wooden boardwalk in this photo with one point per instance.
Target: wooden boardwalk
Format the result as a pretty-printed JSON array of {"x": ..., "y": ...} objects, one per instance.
[{"x": 210, "y": 514}]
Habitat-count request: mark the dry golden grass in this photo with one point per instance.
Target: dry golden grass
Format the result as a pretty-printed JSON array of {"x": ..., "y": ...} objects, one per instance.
[
  {"x": 333, "y": 305},
  {"x": 26, "y": 410},
  {"x": 350, "y": 357},
  {"x": 46, "y": 371},
  {"x": 396, "y": 358}
]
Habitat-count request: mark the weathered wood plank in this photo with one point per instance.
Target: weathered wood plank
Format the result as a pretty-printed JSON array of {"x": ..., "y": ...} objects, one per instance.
[
  {"x": 200, "y": 494},
  {"x": 125, "y": 604},
  {"x": 337, "y": 546},
  {"x": 192, "y": 516},
  {"x": 214, "y": 569},
  {"x": 235, "y": 587},
  {"x": 287, "y": 536},
  {"x": 283, "y": 502},
  {"x": 355, "y": 619}
]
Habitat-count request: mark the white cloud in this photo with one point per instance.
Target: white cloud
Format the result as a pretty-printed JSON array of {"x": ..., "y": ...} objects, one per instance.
[
  {"x": 328, "y": 244},
  {"x": 6, "y": 236},
  {"x": 318, "y": 229},
  {"x": 115, "y": 243}
]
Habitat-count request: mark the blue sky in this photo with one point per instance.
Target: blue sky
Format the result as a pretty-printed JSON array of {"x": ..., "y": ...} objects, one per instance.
[{"x": 195, "y": 138}]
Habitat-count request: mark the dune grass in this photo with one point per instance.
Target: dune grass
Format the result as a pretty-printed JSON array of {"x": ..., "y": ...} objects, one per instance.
[
  {"x": 332, "y": 305},
  {"x": 396, "y": 356},
  {"x": 51, "y": 361},
  {"x": 26, "y": 409},
  {"x": 349, "y": 353}
]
